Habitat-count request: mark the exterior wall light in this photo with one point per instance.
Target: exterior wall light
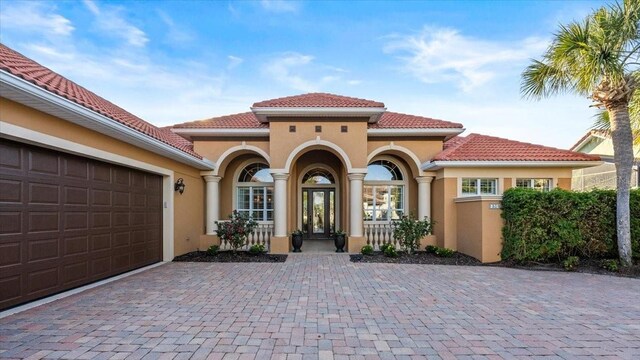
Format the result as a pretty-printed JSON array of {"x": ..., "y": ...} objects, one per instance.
[{"x": 179, "y": 186}]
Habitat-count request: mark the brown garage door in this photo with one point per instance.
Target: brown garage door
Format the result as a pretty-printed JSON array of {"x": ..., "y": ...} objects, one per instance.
[{"x": 66, "y": 221}]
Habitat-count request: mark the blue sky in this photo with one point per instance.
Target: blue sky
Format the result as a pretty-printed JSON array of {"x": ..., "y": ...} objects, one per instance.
[{"x": 175, "y": 61}]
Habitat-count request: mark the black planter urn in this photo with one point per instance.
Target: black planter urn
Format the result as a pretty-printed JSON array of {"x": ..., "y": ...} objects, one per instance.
[
  {"x": 296, "y": 241},
  {"x": 339, "y": 241}
]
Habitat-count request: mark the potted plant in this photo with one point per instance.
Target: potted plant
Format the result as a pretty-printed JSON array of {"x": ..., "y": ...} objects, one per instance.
[
  {"x": 296, "y": 240},
  {"x": 339, "y": 239}
]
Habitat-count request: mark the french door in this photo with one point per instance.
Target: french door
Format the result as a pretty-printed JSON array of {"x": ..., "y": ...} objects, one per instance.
[{"x": 318, "y": 212}]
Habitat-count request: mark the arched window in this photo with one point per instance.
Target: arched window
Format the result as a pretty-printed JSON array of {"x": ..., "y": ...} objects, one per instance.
[
  {"x": 383, "y": 192},
  {"x": 254, "y": 192},
  {"x": 318, "y": 177}
]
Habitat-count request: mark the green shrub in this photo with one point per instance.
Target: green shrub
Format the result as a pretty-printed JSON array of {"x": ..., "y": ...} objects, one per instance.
[
  {"x": 431, "y": 249},
  {"x": 213, "y": 249},
  {"x": 384, "y": 246},
  {"x": 571, "y": 263},
  {"x": 610, "y": 265},
  {"x": 444, "y": 252},
  {"x": 390, "y": 251},
  {"x": 367, "y": 250},
  {"x": 236, "y": 230},
  {"x": 550, "y": 226},
  {"x": 408, "y": 231},
  {"x": 257, "y": 249}
]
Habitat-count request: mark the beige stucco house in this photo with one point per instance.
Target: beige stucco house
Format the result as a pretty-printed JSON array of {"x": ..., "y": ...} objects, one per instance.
[
  {"x": 88, "y": 190},
  {"x": 598, "y": 142}
]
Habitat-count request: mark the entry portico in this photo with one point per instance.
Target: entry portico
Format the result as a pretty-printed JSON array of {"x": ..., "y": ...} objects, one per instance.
[{"x": 322, "y": 162}]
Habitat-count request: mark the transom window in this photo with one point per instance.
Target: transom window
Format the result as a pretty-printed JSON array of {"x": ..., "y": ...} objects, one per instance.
[
  {"x": 318, "y": 177},
  {"x": 535, "y": 184},
  {"x": 254, "y": 192},
  {"x": 480, "y": 186},
  {"x": 383, "y": 192}
]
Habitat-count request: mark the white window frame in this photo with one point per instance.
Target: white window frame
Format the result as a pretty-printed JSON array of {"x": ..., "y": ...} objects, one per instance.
[
  {"x": 532, "y": 183},
  {"x": 380, "y": 183},
  {"x": 252, "y": 186},
  {"x": 478, "y": 188}
]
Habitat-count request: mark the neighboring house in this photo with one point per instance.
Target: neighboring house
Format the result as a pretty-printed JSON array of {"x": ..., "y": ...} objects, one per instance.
[
  {"x": 598, "y": 142},
  {"x": 88, "y": 190}
]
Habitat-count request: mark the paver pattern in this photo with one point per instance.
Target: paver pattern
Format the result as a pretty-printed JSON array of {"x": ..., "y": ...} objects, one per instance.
[{"x": 324, "y": 307}]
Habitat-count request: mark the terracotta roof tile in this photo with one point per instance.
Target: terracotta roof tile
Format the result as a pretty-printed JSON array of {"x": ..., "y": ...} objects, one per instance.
[
  {"x": 318, "y": 100},
  {"x": 236, "y": 121},
  {"x": 392, "y": 120},
  {"x": 476, "y": 147},
  {"x": 17, "y": 64}
]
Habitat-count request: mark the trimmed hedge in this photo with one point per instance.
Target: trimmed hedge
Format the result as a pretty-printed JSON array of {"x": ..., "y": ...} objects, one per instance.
[{"x": 548, "y": 226}]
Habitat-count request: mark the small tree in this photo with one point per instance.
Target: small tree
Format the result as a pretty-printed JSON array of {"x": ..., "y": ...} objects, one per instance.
[
  {"x": 236, "y": 230},
  {"x": 408, "y": 231}
]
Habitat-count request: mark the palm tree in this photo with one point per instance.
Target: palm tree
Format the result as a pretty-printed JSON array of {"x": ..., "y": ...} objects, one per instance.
[{"x": 598, "y": 57}]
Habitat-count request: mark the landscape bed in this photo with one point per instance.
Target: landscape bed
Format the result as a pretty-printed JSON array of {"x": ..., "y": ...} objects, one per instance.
[
  {"x": 231, "y": 256},
  {"x": 589, "y": 266}
]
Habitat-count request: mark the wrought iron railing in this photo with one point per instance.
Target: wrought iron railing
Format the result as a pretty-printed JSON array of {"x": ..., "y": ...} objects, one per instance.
[
  {"x": 378, "y": 234},
  {"x": 261, "y": 235}
]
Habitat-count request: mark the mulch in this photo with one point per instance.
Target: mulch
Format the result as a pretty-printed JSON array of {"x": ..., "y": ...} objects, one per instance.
[
  {"x": 589, "y": 266},
  {"x": 419, "y": 257},
  {"x": 230, "y": 256}
]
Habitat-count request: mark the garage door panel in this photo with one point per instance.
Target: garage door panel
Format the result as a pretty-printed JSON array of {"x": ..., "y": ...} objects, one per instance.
[
  {"x": 10, "y": 222},
  {"x": 75, "y": 196},
  {"x": 43, "y": 162},
  {"x": 43, "y": 221},
  {"x": 66, "y": 221},
  {"x": 10, "y": 191},
  {"x": 76, "y": 168},
  {"x": 11, "y": 156}
]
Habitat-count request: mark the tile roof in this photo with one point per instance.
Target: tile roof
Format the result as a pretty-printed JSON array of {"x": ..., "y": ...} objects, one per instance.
[
  {"x": 388, "y": 120},
  {"x": 246, "y": 120},
  {"x": 19, "y": 65},
  {"x": 318, "y": 100},
  {"x": 392, "y": 120},
  {"x": 477, "y": 147}
]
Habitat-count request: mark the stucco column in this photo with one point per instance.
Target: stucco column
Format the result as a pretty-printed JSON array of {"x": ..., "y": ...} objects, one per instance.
[
  {"x": 424, "y": 196},
  {"x": 280, "y": 204},
  {"x": 213, "y": 202},
  {"x": 355, "y": 204}
]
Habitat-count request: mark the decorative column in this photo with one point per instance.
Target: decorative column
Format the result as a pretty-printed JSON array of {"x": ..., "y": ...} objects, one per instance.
[
  {"x": 424, "y": 196},
  {"x": 213, "y": 202},
  {"x": 280, "y": 204},
  {"x": 356, "y": 224}
]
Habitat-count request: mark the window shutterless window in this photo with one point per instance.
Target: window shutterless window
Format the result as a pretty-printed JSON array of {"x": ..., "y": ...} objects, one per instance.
[
  {"x": 480, "y": 186},
  {"x": 383, "y": 192},
  {"x": 254, "y": 192},
  {"x": 536, "y": 184}
]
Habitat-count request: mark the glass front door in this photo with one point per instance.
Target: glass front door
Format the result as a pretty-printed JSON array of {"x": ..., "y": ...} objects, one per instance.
[{"x": 318, "y": 213}]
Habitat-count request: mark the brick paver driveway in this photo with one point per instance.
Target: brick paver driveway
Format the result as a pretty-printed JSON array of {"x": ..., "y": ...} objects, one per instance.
[{"x": 323, "y": 306}]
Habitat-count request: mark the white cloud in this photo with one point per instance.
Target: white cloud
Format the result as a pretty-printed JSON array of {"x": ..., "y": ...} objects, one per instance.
[
  {"x": 234, "y": 61},
  {"x": 34, "y": 17},
  {"x": 111, "y": 21},
  {"x": 176, "y": 35},
  {"x": 301, "y": 72},
  {"x": 280, "y": 6},
  {"x": 437, "y": 55}
]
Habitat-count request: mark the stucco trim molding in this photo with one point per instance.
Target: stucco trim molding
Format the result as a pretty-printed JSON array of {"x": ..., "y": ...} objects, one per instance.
[
  {"x": 188, "y": 132},
  {"x": 436, "y": 165},
  {"x": 373, "y": 113},
  {"x": 448, "y": 132},
  {"x": 393, "y": 147},
  {"x": 462, "y": 199},
  {"x": 232, "y": 150},
  {"x": 31, "y": 95},
  {"x": 319, "y": 142}
]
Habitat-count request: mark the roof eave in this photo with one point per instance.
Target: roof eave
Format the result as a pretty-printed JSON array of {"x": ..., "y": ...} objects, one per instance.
[
  {"x": 32, "y": 95},
  {"x": 189, "y": 133},
  {"x": 440, "y": 164},
  {"x": 373, "y": 113},
  {"x": 446, "y": 132}
]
